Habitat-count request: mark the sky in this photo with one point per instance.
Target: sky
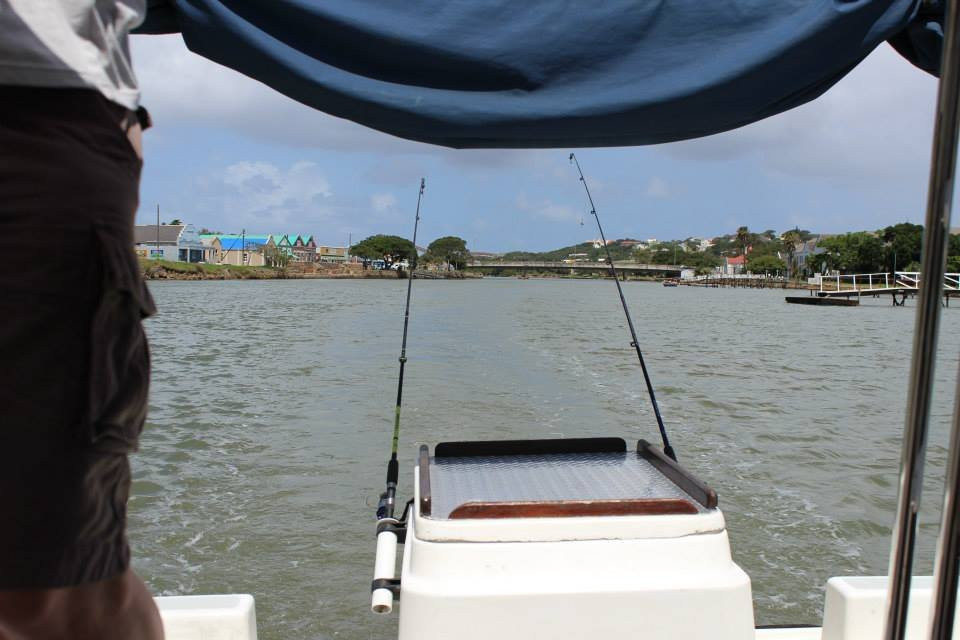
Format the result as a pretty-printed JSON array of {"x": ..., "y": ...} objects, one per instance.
[{"x": 230, "y": 154}]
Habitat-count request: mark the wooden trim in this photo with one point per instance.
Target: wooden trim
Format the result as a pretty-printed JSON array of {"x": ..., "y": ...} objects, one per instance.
[
  {"x": 426, "y": 499},
  {"x": 678, "y": 475},
  {"x": 573, "y": 508},
  {"x": 530, "y": 447}
]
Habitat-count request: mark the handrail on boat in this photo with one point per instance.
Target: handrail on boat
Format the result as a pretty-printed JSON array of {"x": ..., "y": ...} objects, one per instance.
[{"x": 937, "y": 224}]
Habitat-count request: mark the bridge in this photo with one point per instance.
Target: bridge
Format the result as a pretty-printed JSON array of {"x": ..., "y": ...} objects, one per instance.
[
  {"x": 899, "y": 283},
  {"x": 624, "y": 267}
]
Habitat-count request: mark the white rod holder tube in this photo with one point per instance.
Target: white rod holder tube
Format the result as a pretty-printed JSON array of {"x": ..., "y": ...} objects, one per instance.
[{"x": 385, "y": 567}]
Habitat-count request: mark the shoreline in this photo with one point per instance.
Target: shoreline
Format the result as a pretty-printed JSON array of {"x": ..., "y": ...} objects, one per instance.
[
  {"x": 158, "y": 270},
  {"x": 166, "y": 270}
]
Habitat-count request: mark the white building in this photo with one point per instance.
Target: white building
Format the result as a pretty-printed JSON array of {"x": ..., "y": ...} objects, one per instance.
[{"x": 174, "y": 242}]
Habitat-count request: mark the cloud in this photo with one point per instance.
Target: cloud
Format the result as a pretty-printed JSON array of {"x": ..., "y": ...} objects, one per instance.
[
  {"x": 545, "y": 209},
  {"x": 261, "y": 195},
  {"x": 657, "y": 188},
  {"x": 874, "y": 124},
  {"x": 383, "y": 201}
]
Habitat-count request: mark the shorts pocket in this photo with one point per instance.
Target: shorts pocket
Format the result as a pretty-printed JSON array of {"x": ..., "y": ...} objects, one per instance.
[{"x": 119, "y": 364}]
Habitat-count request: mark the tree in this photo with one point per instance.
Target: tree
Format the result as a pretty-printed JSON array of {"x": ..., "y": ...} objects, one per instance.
[
  {"x": 765, "y": 264},
  {"x": 449, "y": 249},
  {"x": 859, "y": 252},
  {"x": 743, "y": 240},
  {"x": 790, "y": 241},
  {"x": 275, "y": 257},
  {"x": 903, "y": 244},
  {"x": 382, "y": 247},
  {"x": 953, "y": 253},
  {"x": 176, "y": 221}
]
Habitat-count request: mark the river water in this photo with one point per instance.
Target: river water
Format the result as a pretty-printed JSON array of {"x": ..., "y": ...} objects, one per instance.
[{"x": 272, "y": 403}]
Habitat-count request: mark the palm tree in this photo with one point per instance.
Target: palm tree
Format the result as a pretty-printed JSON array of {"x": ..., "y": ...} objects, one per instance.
[
  {"x": 743, "y": 239},
  {"x": 790, "y": 240}
]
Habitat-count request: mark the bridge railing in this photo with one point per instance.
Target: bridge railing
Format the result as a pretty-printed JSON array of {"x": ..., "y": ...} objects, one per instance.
[
  {"x": 907, "y": 279},
  {"x": 879, "y": 281},
  {"x": 911, "y": 280},
  {"x": 854, "y": 282}
]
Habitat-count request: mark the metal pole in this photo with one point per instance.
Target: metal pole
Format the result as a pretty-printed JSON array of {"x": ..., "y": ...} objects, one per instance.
[
  {"x": 939, "y": 197},
  {"x": 158, "y": 230},
  {"x": 942, "y": 176}
]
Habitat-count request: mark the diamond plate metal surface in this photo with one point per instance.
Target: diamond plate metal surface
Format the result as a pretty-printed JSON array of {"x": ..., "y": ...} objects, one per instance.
[{"x": 540, "y": 478}]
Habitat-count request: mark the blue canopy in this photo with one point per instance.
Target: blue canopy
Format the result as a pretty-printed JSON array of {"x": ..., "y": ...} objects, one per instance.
[{"x": 550, "y": 73}]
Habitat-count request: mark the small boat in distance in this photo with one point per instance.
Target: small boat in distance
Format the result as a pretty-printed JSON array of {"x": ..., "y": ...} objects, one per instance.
[{"x": 670, "y": 282}]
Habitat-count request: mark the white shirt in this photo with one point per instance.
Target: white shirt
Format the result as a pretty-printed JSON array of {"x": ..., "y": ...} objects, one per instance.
[{"x": 71, "y": 43}]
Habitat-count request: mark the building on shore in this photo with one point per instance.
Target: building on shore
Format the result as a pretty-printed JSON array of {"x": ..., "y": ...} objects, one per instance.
[
  {"x": 269, "y": 250},
  {"x": 239, "y": 249},
  {"x": 174, "y": 242},
  {"x": 804, "y": 256},
  {"x": 734, "y": 265},
  {"x": 331, "y": 254},
  {"x": 301, "y": 248}
]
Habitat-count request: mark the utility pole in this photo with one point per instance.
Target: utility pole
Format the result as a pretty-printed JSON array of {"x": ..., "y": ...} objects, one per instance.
[
  {"x": 243, "y": 246},
  {"x": 349, "y": 244},
  {"x": 158, "y": 230}
]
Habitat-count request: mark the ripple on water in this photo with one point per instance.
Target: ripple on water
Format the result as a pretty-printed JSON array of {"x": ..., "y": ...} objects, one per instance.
[{"x": 272, "y": 405}]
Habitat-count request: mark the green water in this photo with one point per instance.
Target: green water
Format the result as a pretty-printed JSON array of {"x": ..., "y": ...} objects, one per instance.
[{"x": 272, "y": 408}]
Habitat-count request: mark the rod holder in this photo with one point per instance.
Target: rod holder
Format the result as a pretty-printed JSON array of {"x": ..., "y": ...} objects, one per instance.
[{"x": 384, "y": 568}]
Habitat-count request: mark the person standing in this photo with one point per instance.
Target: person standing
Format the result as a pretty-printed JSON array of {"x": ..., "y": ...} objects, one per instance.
[{"x": 74, "y": 363}]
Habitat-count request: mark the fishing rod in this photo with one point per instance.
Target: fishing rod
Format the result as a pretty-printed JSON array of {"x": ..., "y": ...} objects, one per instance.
[
  {"x": 385, "y": 508},
  {"x": 667, "y": 449}
]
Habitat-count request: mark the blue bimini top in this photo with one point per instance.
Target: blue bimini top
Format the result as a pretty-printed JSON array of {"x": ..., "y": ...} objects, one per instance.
[{"x": 550, "y": 73}]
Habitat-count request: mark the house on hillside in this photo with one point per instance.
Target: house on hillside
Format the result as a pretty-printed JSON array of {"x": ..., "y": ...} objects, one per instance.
[
  {"x": 804, "y": 256},
  {"x": 174, "y": 242},
  {"x": 734, "y": 265}
]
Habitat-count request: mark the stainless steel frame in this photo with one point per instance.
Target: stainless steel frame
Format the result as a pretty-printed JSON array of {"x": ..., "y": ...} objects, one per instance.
[
  {"x": 948, "y": 543},
  {"x": 936, "y": 230}
]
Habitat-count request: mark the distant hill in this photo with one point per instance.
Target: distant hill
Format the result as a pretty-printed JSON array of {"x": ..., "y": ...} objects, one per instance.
[{"x": 593, "y": 253}]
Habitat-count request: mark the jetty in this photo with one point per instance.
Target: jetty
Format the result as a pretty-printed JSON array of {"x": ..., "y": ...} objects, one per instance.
[{"x": 899, "y": 285}]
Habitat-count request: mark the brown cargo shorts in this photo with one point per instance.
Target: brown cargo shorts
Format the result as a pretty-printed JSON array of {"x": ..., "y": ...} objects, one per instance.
[{"x": 74, "y": 364}]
